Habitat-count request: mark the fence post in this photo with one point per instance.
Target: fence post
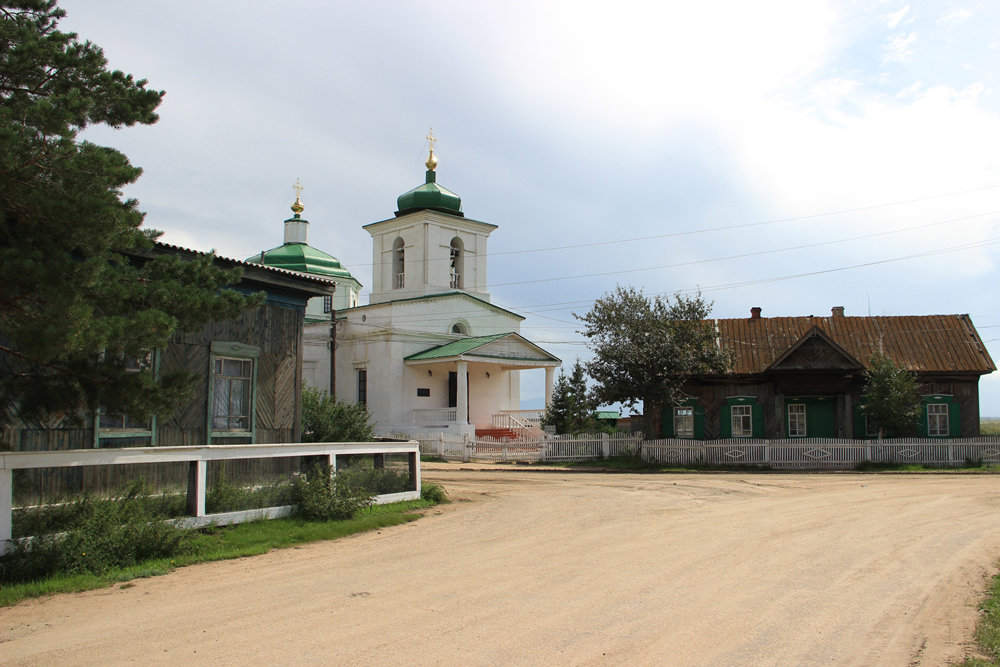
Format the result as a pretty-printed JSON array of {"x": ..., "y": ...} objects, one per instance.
[
  {"x": 950, "y": 457},
  {"x": 6, "y": 507},
  {"x": 441, "y": 444},
  {"x": 767, "y": 452},
  {"x": 467, "y": 450},
  {"x": 605, "y": 446},
  {"x": 197, "y": 478}
]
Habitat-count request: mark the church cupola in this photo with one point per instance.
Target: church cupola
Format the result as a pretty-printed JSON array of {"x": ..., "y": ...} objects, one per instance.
[
  {"x": 430, "y": 196},
  {"x": 297, "y": 229}
]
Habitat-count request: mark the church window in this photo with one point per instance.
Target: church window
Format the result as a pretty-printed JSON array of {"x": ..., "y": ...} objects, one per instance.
[
  {"x": 363, "y": 387},
  {"x": 456, "y": 279},
  {"x": 460, "y": 328},
  {"x": 327, "y": 303},
  {"x": 398, "y": 264}
]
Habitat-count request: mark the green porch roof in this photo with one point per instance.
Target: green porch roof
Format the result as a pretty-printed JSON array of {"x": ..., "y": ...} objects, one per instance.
[
  {"x": 608, "y": 414},
  {"x": 455, "y": 348}
]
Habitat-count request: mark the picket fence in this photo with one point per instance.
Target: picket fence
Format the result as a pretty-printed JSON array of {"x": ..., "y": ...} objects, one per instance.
[{"x": 801, "y": 453}]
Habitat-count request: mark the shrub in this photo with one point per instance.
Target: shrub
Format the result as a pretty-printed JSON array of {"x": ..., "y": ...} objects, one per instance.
[
  {"x": 325, "y": 496},
  {"x": 433, "y": 492},
  {"x": 324, "y": 419},
  {"x": 100, "y": 534},
  {"x": 224, "y": 495}
]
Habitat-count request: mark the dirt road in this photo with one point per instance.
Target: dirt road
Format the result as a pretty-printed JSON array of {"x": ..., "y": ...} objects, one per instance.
[{"x": 529, "y": 568}]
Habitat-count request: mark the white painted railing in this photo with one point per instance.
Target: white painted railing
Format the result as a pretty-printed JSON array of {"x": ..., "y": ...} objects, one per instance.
[
  {"x": 400, "y": 280},
  {"x": 533, "y": 417},
  {"x": 197, "y": 457},
  {"x": 427, "y": 416}
]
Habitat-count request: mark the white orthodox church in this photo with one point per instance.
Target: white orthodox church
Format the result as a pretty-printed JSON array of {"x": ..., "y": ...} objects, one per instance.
[{"x": 429, "y": 353}]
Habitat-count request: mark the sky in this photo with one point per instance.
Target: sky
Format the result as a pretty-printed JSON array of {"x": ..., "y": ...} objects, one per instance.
[{"x": 792, "y": 155}]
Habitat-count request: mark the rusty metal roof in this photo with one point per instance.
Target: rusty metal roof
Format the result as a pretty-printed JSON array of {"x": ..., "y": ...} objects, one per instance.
[{"x": 919, "y": 343}]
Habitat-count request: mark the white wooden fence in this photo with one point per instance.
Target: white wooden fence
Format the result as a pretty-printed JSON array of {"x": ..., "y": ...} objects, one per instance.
[
  {"x": 197, "y": 457},
  {"x": 801, "y": 453}
]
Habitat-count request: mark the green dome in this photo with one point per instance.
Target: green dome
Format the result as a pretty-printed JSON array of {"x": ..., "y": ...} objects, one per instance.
[
  {"x": 304, "y": 258},
  {"x": 429, "y": 196}
]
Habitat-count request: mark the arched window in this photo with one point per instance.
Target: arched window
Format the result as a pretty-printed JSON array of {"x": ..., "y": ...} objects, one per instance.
[
  {"x": 461, "y": 328},
  {"x": 457, "y": 280},
  {"x": 398, "y": 264}
]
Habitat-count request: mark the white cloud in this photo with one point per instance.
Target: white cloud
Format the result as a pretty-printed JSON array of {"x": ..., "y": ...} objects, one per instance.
[
  {"x": 892, "y": 20},
  {"x": 954, "y": 16},
  {"x": 898, "y": 49}
]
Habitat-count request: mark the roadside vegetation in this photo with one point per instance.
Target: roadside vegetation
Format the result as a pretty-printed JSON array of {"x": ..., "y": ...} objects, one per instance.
[
  {"x": 988, "y": 629},
  {"x": 97, "y": 542},
  {"x": 989, "y": 426}
]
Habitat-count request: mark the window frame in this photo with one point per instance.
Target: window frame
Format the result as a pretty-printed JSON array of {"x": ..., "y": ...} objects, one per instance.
[
  {"x": 684, "y": 415},
  {"x": 733, "y": 416},
  {"x": 362, "y": 386},
  {"x": 936, "y": 417},
  {"x": 104, "y": 433},
  {"x": 327, "y": 303},
  {"x": 242, "y": 352},
  {"x": 800, "y": 420}
]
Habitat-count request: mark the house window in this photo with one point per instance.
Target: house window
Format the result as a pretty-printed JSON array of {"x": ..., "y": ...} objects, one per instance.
[
  {"x": 871, "y": 430},
  {"x": 363, "y": 387},
  {"x": 111, "y": 424},
  {"x": 328, "y": 303},
  {"x": 742, "y": 421},
  {"x": 684, "y": 422},
  {"x": 937, "y": 420},
  {"x": 232, "y": 396},
  {"x": 796, "y": 420}
]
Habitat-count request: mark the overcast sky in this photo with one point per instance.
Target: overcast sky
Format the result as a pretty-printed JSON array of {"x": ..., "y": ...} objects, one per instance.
[{"x": 791, "y": 155}]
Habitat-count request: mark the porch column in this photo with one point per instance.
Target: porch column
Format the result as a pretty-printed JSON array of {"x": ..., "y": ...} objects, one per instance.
[
  {"x": 462, "y": 404},
  {"x": 550, "y": 377}
]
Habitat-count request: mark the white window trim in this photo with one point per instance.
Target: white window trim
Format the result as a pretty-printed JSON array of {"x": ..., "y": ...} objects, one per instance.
[
  {"x": 737, "y": 418},
  {"x": 681, "y": 415},
  {"x": 945, "y": 414},
  {"x": 798, "y": 418}
]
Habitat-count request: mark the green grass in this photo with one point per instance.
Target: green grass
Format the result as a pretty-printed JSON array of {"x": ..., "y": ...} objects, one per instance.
[
  {"x": 989, "y": 426},
  {"x": 971, "y": 467},
  {"x": 222, "y": 543},
  {"x": 988, "y": 629}
]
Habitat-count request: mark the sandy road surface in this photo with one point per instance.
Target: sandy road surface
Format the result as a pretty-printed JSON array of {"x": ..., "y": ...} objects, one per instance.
[{"x": 532, "y": 568}]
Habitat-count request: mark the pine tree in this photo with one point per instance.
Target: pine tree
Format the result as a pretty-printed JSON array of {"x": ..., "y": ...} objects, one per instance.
[
  {"x": 74, "y": 312},
  {"x": 572, "y": 409}
]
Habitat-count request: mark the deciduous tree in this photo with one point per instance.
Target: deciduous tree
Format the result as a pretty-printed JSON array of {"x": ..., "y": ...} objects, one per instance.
[
  {"x": 645, "y": 348},
  {"x": 74, "y": 312},
  {"x": 890, "y": 399}
]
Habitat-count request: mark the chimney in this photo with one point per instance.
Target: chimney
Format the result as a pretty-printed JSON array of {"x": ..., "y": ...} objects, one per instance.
[
  {"x": 755, "y": 313},
  {"x": 837, "y": 311}
]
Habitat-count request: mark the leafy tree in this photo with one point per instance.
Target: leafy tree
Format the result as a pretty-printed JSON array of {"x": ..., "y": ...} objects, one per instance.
[
  {"x": 74, "y": 312},
  {"x": 645, "y": 349},
  {"x": 325, "y": 419},
  {"x": 891, "y": 399},
  {"x": 572, "y": 409}
]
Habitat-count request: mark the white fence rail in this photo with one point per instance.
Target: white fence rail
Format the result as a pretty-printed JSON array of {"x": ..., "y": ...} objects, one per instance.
[
  {"x": 802, "y": 453},
  {"x": 197, "y": 457}
]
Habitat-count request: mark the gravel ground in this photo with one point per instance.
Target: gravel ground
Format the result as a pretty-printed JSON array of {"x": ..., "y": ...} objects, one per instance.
[{"x": 530, "y": 567}]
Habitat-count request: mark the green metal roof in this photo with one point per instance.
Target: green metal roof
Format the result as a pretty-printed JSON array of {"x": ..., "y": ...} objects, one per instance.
[
  {"x": 608, "y": 414},
  {"x": 431, "y": 196},
  {"x": 306, "y": 259},
  {"x": 456, "y": 348}
]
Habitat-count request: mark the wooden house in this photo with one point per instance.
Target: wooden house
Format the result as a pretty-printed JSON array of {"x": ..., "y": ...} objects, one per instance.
[
  {"x": 250, "y": 384},
  {"x": 795, "y": 377}
]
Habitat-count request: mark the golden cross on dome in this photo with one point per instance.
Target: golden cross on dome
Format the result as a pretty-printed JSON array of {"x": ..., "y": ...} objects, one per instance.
[
  {"x": 430, "y": 138},
  {"x": 298, "y": 189},
  {"x": 297, "y": 207}
]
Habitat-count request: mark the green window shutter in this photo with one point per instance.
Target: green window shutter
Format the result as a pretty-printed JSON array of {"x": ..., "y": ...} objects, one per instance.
[
  {"x": 667, "y": 422},
  {"x": 954, "y": 420},
  {"x": 725, "y": 421},
  {"x": 699, "y": 422},
  {"x": 757, "y": 417},
  {"x": 859, "y": 423}
]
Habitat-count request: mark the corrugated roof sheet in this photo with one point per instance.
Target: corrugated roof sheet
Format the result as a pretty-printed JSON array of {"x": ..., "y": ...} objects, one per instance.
[
  {"x": 919, "y": 343},
  {"x": 240, "y": 262},
  {"x": 457, "y": 347}
]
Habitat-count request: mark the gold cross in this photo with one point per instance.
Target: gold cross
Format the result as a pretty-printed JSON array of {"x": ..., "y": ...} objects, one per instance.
[
  {"x": 298, "y": 189},
  {"x": 430, "y": 138}
]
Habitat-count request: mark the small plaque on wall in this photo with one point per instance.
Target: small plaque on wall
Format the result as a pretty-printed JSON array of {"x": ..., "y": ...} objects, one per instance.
[{"x": 423, "y": 392}]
